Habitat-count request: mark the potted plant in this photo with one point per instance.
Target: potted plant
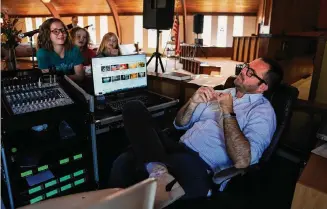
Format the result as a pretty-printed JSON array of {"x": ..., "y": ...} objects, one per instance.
[{"x": 9, "y": 40}]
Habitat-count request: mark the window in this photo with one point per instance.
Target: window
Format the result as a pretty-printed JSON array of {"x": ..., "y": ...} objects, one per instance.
[
  {"x": 80, "y": 21},
  {"x": 152, "y": 38},
  {"x": 206, "y": 30},
  {"x": 38, "y": 22},
  {"x": 222, "y": 31},
  {"x": 138, "y": 30},
  {"x": 91, "y": 21},
  {"x": 29, "y": 26},
  {"x": 165, "y": 37},
  {"x": 238, "y": 25},
  {"x": 104, "y": 26}
]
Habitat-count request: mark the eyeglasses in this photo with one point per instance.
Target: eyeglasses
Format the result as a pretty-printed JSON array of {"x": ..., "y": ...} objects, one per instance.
[
  {"x": 250, "y": 72},
  {"x": 58, "y": 31}
]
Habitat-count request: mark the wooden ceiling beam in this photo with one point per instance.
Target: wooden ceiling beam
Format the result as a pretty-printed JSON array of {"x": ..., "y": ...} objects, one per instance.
[
  {"x": 51, "y": 9},
  {"x": 113, "y": 8}
]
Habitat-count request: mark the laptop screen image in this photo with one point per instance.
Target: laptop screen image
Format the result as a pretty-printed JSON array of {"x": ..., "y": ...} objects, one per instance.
[{"x": 117, "y": 74}]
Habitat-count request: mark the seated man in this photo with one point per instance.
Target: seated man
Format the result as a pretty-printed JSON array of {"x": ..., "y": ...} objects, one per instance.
[{"x": 225, "y": 128}]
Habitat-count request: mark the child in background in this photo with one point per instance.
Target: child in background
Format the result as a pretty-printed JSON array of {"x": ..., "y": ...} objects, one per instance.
[
  {"x": 81, "y": 39},
  {"x": 109, "y": 46},
  {"x": 55, "y": 49}
]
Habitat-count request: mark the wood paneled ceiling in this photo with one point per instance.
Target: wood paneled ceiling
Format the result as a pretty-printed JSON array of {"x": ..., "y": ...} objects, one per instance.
[{"x": 79, "y": 7}]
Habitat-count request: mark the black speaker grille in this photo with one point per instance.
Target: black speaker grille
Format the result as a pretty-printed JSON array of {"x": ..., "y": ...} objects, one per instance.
[
  {"x": 198, "y": 23},
  {"x": 158, "y": 14}
]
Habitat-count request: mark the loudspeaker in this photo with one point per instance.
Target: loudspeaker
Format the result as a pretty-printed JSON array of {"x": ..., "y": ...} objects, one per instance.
[
  {"x": 158, "y": 14},
  {"x": 198, "y": 23}
]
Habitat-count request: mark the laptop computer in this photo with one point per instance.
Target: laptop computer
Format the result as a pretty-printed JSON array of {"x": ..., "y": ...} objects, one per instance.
[
  {"x": 112, "y": 75},
  {"x": 120, "y": 79}
]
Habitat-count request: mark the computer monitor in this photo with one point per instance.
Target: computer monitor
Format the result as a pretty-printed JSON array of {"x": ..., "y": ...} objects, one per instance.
[{"x": 120, "y": 73}]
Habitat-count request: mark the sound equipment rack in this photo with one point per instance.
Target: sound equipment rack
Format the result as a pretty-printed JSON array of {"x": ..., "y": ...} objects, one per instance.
[{"x": 48, "y": 146}]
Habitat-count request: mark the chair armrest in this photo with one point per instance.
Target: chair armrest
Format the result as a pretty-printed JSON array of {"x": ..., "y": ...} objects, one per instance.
[
  {"x": 229, "y": 173},
  {"x": 230, "y": 82},
  {"x": 221, "y": 176}
]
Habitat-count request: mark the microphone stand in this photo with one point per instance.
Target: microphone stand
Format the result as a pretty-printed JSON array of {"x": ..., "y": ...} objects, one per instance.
[{"x": 31, "y": 43}]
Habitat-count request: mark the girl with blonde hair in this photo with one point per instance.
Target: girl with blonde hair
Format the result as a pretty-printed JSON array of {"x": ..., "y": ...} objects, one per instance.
[{"x": 109, "y": 46}]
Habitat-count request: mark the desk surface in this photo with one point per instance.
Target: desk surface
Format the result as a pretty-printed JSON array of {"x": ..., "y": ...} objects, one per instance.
[{"x": 311, "y": 188}]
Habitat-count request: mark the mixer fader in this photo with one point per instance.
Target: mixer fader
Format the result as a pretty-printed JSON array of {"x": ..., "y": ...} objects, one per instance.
[{"x": 32, "y": 97}]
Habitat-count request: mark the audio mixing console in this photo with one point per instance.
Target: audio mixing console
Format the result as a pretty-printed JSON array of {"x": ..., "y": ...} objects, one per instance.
[{"x": 32, "y": 97}]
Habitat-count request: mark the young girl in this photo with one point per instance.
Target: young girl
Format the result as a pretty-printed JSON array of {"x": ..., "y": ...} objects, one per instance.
[
  {"x": 55, "y": 49},
  {"x": 109, "y": 46},
  {"x": 81, "y": 39}
]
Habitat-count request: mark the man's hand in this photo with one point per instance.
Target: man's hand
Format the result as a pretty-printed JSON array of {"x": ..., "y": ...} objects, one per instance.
[
  {"x": 203, "y": 95},
  {"x": 225, "y": 101}
]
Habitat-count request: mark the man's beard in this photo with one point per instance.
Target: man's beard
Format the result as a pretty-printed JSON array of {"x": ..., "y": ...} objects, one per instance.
[
  {"x": 238, "y": 83},
  {"x": 242, "y": 88}
]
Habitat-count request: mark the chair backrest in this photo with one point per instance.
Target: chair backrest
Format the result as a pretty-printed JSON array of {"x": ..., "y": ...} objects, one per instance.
[{"x": 282, "y": 100}]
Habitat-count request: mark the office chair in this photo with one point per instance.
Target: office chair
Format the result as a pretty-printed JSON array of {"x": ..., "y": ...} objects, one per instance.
[{"x": 282, "y": 100}]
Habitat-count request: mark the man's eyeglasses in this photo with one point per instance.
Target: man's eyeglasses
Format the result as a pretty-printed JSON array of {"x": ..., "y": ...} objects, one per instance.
[
  {"x": 58, "y": 31},
  {"x": 250, "y": 72}
]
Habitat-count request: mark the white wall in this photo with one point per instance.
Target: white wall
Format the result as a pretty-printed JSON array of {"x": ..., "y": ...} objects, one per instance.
[{"x": 249, "y": 25}]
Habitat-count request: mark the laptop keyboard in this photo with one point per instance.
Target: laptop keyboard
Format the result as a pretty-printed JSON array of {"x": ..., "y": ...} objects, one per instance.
[{"x": 117, "y": 106}]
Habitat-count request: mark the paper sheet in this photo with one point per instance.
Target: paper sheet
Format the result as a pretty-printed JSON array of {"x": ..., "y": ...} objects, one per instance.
[
  {"x": 321, "y": 150},
  {"x": 127, "y": 49},
  {"x": 210, "y": 81}
]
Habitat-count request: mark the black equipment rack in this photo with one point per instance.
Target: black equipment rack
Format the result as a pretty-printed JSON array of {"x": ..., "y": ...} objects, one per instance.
[{"x": 69, "y": 163}]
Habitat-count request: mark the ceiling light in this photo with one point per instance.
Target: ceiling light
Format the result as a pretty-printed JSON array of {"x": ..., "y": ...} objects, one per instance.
[{"x": 46, "y": 1}]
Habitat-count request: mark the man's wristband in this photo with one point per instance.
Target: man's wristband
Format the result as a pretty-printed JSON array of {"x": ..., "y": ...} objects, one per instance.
[{"x": 229, "y": 115}]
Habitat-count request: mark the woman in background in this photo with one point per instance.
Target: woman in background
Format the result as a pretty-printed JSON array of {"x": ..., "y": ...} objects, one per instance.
[
  {"x": 81, "y": 39},
  {"x": 55, "y": 49},
  {"x": 109, "y": 46}
]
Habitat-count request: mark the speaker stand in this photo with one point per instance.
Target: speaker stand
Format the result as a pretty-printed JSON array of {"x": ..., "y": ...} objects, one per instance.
[
  {"x": 196, "y": 46},
  {"x": 157, "y": 55}
]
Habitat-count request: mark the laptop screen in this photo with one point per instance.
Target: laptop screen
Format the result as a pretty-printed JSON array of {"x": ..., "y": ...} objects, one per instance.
[{"x": 120, "y": 73}]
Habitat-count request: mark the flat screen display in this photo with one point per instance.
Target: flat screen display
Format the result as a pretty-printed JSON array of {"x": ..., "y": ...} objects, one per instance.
[{"x": 120, "y": 73}]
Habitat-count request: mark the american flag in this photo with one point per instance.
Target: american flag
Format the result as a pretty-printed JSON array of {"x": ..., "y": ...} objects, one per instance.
[{"x": 176, "y": 34}]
